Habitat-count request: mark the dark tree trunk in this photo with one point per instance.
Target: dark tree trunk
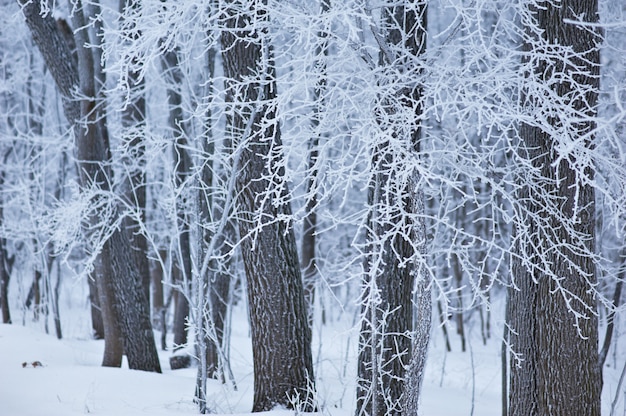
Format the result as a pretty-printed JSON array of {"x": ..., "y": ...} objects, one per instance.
[
  {"x": 390, "y": 368},
  {"x": 134, "y": 124},
  {"x": 120, "y": 284},
  {"x": 281, "y": 337},
  {"x": 113, "y": 340},
  {"x": 309, "y": 226},
  {"x": 215, "y": 249},
  {"x": 5, "y": 276},
  {"x": 182, "y": 171},
  {"x": 219, "y": 293},
  {"x": 158, "y": 298},
  {"x": 34, "y": 296},
  {"x": 458, "y": 290},
  {"x": 97, "y": 324},
  {"x": 94, "y": 147},
  {"x": 50, "y": 258},
  {"x": 181, "y": 310},
  {"x": 5, "y": 267},
  {"x": 55, "y": 303},
  {"x": 4, "y": 298},
  {"x": 553, "y": 270}
]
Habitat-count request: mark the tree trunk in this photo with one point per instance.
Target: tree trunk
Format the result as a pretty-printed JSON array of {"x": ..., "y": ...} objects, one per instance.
[
  {"x": 158, "y": 298},
  {"x": 181, "y": 309},
  {"x": 215, "y": 250},
  {"x": 554, "y": 326},
  {"x": 390, "y": 369},
  {"x": 90, "y": 136},
  {"x": 5, "y": 267},
  {"x": 97, "y": 324},
  {"x": 133, "y": 132},
  {"x": 309, "y": 226},
  {"x": 113, "y": 341},
  {"x": 281, "y": 337},
  {"x": 182, "y": 170},
  {"x": 5, "y": 276},
  {"x": 121, "y": 286}
]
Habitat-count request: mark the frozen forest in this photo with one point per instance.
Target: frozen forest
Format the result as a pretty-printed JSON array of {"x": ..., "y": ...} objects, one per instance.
[{"x": 350, "y": 208}]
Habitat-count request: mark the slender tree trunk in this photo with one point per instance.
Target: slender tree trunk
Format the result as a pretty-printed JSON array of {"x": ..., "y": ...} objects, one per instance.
[
  {"x": 134, "y": 124},
  {"x": 113, "y": 345},
  {"x": 309, "y": 227},
  {"x": 617, "y": 294},
  {"x": 215, "y": 249},
  {"x": 442, "y": 323},
  {"x": 553, "y": 270},
  {"x": 281, "y": 337},
  {"x": 458, "y": 290},
  {"x": 56, "y": 291},
  {"x": 391, "y": 366},
  {"x": 4, "y": 286},
  {"x": 97, "y": 324},
  {"x": 34, "y": 296},
  {"x": 113, "y": 340},
  {"x": 5, "y": 263},
  {"x": 50, "y": 258},
  {"x": 158, "y": 299},
  {"x": 182, "y": 171}
]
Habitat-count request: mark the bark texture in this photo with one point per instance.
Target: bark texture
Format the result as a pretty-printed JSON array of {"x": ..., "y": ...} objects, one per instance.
[
  {"x": 281, "y": 338},
  {"x": 552, "y": 316},
  {"x": 396, "y": 240},
  {"x": 97, "y": 324},
  {"x": 91, "y": 143},
  {"x": 133, "y": 125}
]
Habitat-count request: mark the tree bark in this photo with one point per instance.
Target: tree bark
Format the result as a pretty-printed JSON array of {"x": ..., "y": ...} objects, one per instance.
[
  {"x": 5, "y": 268},
  {"x": 309, "y": 225},
  {"x": 608, "y": 336},
  {"x": 281, "y": 337},
  {"x": 134, "y": 124},
  {"x": 158, "y": 298},
  {"x": 90, "y": 136},
  {"x": 5, "y": 277},
  {"x": 121, "y": 288},
  {"x": 97, "y": 323},
  {"x": 215, "y": 250},
  {"x": 391, "y": 363},
  {"x": 182, "y": 171},
  {"x": 554, "y": 326}
]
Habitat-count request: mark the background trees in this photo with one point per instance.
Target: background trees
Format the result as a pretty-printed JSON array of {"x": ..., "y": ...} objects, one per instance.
[{"x": 300, "y": 109}]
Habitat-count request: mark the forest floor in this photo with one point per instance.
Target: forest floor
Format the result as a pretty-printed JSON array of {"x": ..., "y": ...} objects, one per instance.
[{"x": 71, "y": 382}]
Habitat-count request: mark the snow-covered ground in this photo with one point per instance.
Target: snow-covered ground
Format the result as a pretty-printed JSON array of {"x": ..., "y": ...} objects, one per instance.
[{"x": 71, "y": 381}]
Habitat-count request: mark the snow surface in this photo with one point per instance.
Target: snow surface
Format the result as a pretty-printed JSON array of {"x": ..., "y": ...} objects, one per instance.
[{"x": 71, "y": 381}]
